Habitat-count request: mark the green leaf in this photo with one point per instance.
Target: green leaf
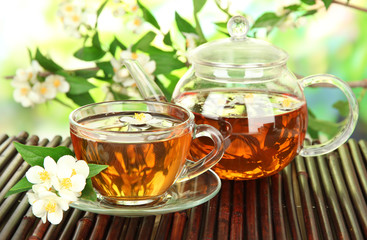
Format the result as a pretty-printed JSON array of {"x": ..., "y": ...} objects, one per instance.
[
  {"x": 88, "y": 192},
  {"x": 148, "y": 16},
  {"x": 308, "y": 13},
  {"x": 166, "y": 62},
  {"x": 327, "y": 3},
  {"x": 309, "y": 2},
  {"x": 144, "y": 42},
  {"x": 95, "y": 169},
  {"x": 342, "y": 107},
  {"x": 293, "y": 7},
  {"x": 100, "y": 9},
  {"x": 95, "y": 41},
  {"x": 167, "y": 39},
  {"x": 183, "y": 25},
  {"x": 89, "y": 53},
  {"x": 115, "y": 44},
  {"x": 119, "y": 96},
  {"x": 81, "y": 99},
  {"x": 107, "y": 68},
  {"x": 21, "y": 186},
  {"x": 221, "y": 24},
  {"x": 86, "y": 73},
  {"x": 198, "y": 5},
  {"x": 78, "y": 85},
  {"x": 266, "y": 20},
  {"x": 46, "y": 63},
  {"x": 329, "y": 128},
  {"x": 35, "y": 155}
]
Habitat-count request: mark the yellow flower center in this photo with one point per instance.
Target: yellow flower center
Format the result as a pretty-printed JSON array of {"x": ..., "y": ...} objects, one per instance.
[
  {"x": 134, "y": 8},
  {"x": 57, "y": 82},
  {"x": 43, "y": 90},
  {"x": 134, "y": 56},
  {"x": 30, "y": 75},
  {"x": 50, "y": 207},
  {"x": 287, "y": 103},
  {"x": 44, "y": 175},
  {"x": 24, "y": 91},
  {"x": 69, "y": 8},
  {"x": 66, "y": 183},
  {"x": 137, "y": 22},
  {"x": 73, "y": 172},
  {"x": 75, "y": 18},
  {"x": 139, "y": 116}
]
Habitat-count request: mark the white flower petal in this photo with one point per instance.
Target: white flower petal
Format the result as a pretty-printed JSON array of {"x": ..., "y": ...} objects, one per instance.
[
  {"x": 55, "y": 217},
  {"x": 50, "y": 165},
  {"x": 78, "y": 183},
  {"x": 81, "y": 167},
  {"x": 33, "y": 174},
  {"x": 69, "y": 195},
  {"x": 150, "y": 66},
  {"x": 38, "y": 208}
]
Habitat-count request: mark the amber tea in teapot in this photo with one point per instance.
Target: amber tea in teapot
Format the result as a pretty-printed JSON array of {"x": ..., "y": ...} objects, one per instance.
[{"x": 263, "y": 131}]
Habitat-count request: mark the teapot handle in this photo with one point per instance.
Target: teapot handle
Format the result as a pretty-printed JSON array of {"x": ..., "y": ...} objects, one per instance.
[
  {"x": 194, "y": 169},
  {"x": 351, "y": 121}
]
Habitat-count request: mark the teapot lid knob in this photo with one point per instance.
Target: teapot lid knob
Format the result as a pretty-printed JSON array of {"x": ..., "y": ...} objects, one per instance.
[{"x": 238, "y": 27}]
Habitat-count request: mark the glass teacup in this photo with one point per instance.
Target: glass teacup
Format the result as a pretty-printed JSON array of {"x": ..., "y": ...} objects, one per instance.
[{"x": 145, "y": 145}]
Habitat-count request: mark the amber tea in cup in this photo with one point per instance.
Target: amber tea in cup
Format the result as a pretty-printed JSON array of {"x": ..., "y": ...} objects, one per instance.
[{"x": 145, "y": 145}]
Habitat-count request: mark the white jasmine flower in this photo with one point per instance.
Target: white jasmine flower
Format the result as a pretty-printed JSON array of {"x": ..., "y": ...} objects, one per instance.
[
  {"x": 118, "y": 11},
  {"x": 40, "y": 175},
  {"x": 71, "y": 177},
  {"x": 24, "y": 94},
  {"x": 27, "y": 75},
  {"x": 148, "y": 65},
  {"x": 47, "y": 205},
  {"x": 121, "y": 73},
  {"x": 135, "y": 24},
  {"x": 45, "y": 91},
  {"x": 145, "y": 119},
  {"x": 58, "y": 82},
  {"x": 191, "y": 40}
]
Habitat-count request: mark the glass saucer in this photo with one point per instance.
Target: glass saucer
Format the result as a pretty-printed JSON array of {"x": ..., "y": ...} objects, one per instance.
[{"x": 180, "y": 196}]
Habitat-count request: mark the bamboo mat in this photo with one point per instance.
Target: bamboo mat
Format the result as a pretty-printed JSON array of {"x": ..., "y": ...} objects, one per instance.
[{"x": 322, "y": 197}]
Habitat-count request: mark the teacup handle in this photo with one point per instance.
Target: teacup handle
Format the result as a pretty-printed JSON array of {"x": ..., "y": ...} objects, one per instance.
[
  {"x": 194, "y": 169},
  {"x": 352, "y": 117}
]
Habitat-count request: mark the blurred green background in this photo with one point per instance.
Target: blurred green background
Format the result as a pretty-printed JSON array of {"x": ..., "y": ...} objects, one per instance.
[{"x": 333, "y": 42}]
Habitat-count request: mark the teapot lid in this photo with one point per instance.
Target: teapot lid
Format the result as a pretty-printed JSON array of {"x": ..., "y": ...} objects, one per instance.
[{"x": 238, "y": 51}]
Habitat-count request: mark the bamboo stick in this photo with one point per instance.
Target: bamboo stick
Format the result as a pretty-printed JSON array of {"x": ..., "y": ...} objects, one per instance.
[
  {"x": 25, "y": 225},
  {"x": 125, "y": 228},
  {"x": 308, "y": 213},
  {"x": 3, "y": 137},
  {"x": 7, "y": 205},
  {"x": 71, "y": 224},
  {"x": 100, "y": 227},
  {"x": 178, "y": 225},
  {"x": 224, "y": 214},
  {"x": 14, "y": 219},
  {"x": 164, "y": 226},
  {"x": 115, "y": 228},
  {"x": 238, "y": 206},
  {"x": 337, "y": 218},
  {"x": 363, "y": 147},
  {"x": 252, "y": 220},
  {"x": 195, "y": 223},
  {"x": 10, "y": 149},
  {"x": 211, "y": 218},
  {"x": 39, "y": 231},
  {"x": 355, "y": 192},
  {"x": 266, "y": 219},
  {"x": 278, "y": 215},
  {"x": 318, "y": 198},
  {"x": 360, "y": 168},
  {"x": 290, "y": 202},
  {"x": 84, "y": 226},
  {"x": 133, "y": 228},
  {"x": 53, "y": 231},
  {"x": 343, "y": 196},
  {"x": 146, "y": 228}
]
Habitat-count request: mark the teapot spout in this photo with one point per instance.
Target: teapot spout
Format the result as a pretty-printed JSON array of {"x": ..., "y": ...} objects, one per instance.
[{"x": 146, "y": 85}]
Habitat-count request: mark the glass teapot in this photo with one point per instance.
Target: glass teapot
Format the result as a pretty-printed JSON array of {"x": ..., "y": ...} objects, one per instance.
[{"x": 242, "y": 86}]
